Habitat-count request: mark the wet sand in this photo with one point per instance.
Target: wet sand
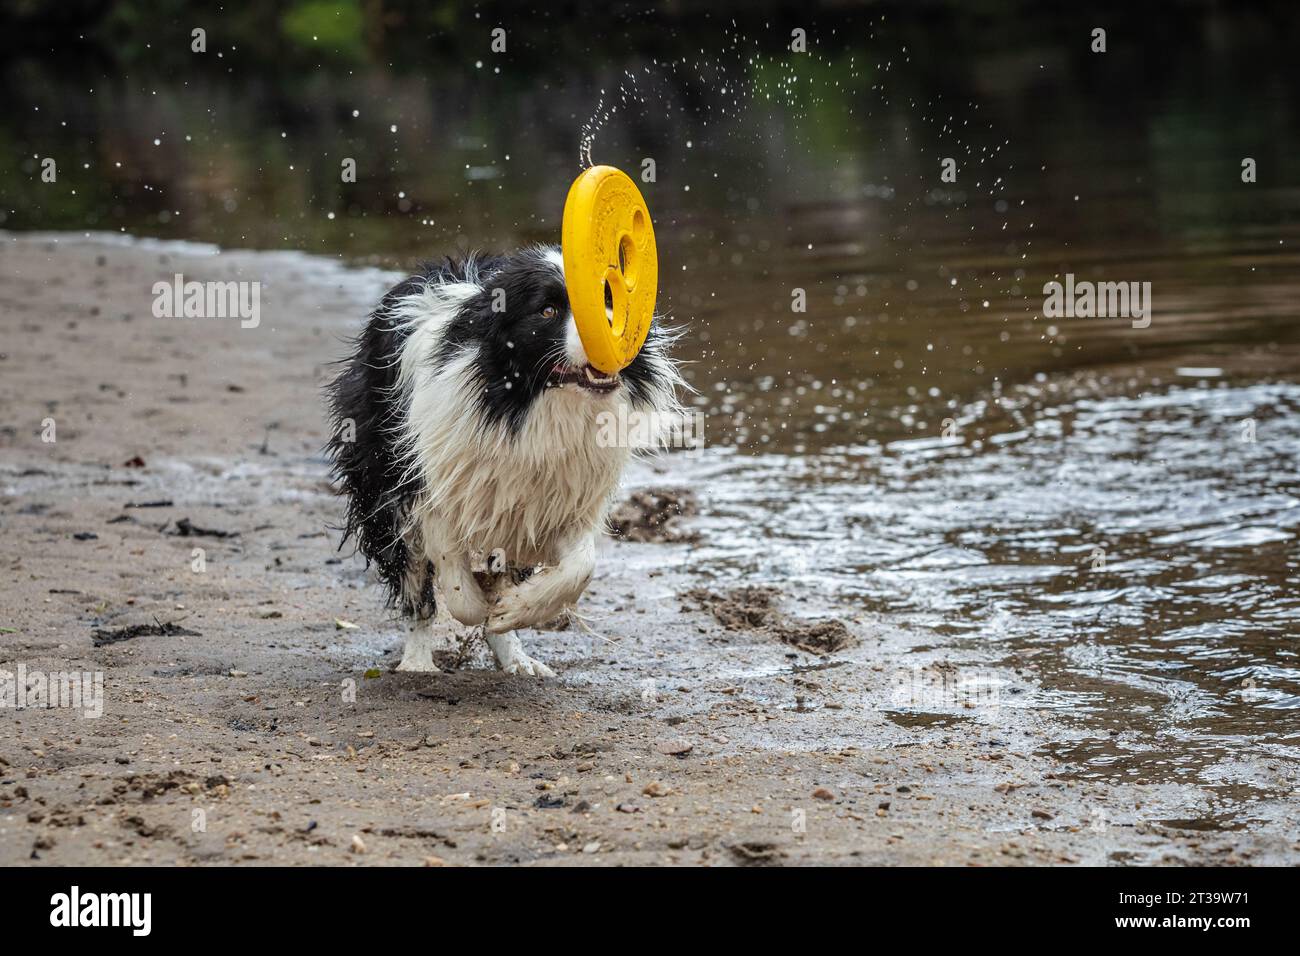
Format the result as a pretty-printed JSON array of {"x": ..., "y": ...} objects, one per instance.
[{"x": 679, "y": 730}]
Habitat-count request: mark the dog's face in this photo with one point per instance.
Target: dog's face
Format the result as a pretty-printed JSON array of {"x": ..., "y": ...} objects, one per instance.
[{"x": 527, "y": 344}]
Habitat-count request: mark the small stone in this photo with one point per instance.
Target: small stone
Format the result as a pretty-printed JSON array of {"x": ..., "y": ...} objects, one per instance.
[
  {"x": 674, "y": 748},
  {"x": 823, "y": 793},
  {"x": 358, "y": 844},
  {"x": 656, "y": 789}
]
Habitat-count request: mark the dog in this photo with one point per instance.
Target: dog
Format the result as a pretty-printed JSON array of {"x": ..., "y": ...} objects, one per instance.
[{"x": 467, "y": 425}]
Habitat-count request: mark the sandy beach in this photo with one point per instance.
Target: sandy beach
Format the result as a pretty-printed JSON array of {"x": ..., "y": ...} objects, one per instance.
[{"x": 259, "y": 719}]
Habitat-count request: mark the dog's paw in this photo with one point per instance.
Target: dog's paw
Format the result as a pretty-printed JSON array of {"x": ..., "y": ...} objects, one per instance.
[
  {"x": 510, "y": 615},
  {"x": 503, "y": 620},
  {"x": 526, "y": 605},
  {"x": 417, "y": 653},
  {"x": 523, "y": 664},
  {"x": 512, "y": 659}
]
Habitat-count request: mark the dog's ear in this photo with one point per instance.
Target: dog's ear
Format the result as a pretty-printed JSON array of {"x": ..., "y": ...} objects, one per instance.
[{"x": 364, "y": 404}]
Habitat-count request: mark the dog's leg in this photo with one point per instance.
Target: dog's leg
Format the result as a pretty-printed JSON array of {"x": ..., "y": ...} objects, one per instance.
[
  {"x": 538, "y": 599},
  {"x": 548, "y": 592},
  {"x": 512, "y": 659},
  {"x": 417, "y": 654},
  {"x": 459, "y": 591}
]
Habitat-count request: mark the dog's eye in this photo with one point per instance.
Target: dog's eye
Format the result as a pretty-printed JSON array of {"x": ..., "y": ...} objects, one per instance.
[{"x": 550, "y": 312}]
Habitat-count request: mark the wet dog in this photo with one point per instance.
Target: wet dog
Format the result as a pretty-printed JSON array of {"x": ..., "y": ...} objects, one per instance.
[{"x": 467, "y": 429}]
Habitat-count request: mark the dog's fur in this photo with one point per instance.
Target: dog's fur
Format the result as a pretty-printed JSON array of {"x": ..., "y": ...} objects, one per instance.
[{"x": 473, "y": 416}]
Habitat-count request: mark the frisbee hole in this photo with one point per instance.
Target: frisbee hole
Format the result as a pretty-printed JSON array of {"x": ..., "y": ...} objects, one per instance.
[
  {"x": 616, "y": 301},
  {"x": 627, "y": 260}
]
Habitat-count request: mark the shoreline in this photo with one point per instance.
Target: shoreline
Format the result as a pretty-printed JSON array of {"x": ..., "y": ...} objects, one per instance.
[{"x": 265, "y": 736}]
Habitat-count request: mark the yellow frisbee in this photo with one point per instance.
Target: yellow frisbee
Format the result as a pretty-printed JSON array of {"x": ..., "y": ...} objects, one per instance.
[{"x": 611, "y": 267}]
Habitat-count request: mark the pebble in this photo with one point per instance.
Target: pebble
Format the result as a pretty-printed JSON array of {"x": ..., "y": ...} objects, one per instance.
[
  {"x": 823, "y": 793},
  {"x": 674, "y": 748}
]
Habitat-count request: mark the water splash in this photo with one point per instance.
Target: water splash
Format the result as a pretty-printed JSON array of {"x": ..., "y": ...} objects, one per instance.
[
  {"x": 737, "y": 75},
  {"x": 748, "y": 77}
]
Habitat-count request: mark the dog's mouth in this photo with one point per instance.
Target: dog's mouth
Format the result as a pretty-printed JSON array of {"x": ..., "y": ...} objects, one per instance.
[{"x": 586, "y": 376}]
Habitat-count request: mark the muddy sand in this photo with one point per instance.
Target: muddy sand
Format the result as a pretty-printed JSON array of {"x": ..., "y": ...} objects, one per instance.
[{"x": 175, "y": 537}]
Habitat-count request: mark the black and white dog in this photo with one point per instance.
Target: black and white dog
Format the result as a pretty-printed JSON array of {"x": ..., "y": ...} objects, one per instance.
[{"x": 466, "y": 427}]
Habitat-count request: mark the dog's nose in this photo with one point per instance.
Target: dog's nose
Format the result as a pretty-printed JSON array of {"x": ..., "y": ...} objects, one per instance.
[{"x": 573, "y": 348}]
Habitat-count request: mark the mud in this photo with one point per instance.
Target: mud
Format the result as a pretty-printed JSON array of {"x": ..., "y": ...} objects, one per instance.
[
  {"x": 101, "y": 636},
  {"x": 651, "y": 515},
  {"x": 282, "y": 734},
  {"x": 757, "y": 609}
]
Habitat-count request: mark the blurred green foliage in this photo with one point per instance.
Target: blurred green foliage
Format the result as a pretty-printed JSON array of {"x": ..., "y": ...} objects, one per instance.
[{"x": 335, "y": 26}]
